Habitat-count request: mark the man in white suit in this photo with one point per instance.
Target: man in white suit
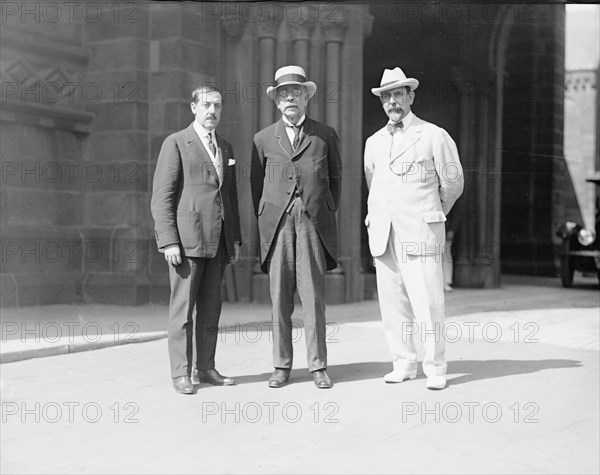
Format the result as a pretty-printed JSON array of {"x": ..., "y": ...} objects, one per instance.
[{"x": 414, "y": 177}]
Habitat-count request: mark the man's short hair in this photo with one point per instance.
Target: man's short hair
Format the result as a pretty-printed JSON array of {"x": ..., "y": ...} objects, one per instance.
[{"x": 204, "y": 89}]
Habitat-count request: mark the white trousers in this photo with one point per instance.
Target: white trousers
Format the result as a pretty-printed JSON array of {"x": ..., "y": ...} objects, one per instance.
[{"x": 411, "y": 301}]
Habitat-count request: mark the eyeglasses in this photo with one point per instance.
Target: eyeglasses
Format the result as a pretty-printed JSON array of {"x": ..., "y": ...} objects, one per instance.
[{"x": 284, "y": 92}]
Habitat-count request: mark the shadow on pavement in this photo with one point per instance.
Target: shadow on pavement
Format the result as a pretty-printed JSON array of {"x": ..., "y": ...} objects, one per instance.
[
  {"x": 473, "y": 370},
  {"x": 339, "y": 373},
  {"x": 470, "y": 370}
]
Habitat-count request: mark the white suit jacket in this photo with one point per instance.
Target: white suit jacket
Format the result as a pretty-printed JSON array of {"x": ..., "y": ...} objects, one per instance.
[{"x": 428, "y": 179}]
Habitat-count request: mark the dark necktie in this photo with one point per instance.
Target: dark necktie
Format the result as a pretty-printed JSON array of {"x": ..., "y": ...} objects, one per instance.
[
  {"x": 392, "y": 127},
  {"x": 211, "y": 145},
  {"x": 296, "y": 136}
]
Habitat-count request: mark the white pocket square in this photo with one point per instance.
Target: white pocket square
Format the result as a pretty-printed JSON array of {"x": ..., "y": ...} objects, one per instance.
[{"x": 231, "y": 162}]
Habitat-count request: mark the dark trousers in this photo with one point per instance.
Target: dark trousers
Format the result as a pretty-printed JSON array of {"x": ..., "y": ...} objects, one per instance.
[
  {"x": 195, "y": 285},
  {"x": 297, "y": 262}
]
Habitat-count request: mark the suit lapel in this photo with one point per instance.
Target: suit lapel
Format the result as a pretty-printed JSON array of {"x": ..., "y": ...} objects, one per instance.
[
  {"x": 305, "y": 140},
  {"x": 223, "y": 160},
  {"x": 282, "y": 138},
  {"x": 198, "y": 150},
  {"x": 410, "y": 138}
]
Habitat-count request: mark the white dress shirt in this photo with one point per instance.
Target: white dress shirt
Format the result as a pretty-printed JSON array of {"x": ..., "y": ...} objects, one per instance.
[
  {"x": 204, "y": 138},
  {"x": 398, "y": 133},
  {"x": 289, "y": 130}
]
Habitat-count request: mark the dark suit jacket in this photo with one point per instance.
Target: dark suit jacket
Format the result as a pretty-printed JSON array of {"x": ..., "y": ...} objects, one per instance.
[
  {"x": 188, "y": 205},
  {"x": 315, "y": 169}
]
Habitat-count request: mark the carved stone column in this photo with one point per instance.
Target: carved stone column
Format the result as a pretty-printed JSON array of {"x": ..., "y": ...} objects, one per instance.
[
  {"x": 333, "y": 31},
  {"x": 240, "y": 92},
  {"x": 267, "y": 30},
  {"x": 301, "y": 29},
  {"x": 477, "y": 245},
  {"x": 266, "y": 35}
]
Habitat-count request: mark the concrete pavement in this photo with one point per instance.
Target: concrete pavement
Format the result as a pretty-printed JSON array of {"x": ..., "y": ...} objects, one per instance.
[
  {"x": 51, "y": 330},
  {"x": 522, "y": 397}
]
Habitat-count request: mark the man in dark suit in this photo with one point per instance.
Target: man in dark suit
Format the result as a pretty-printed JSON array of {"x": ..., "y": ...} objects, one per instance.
[
  {"x": 296, "y": 177},
  {"x": 195, "y": 209}
]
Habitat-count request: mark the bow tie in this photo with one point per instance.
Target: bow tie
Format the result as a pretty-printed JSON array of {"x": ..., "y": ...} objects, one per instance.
[{"x": 393, "y": 126}]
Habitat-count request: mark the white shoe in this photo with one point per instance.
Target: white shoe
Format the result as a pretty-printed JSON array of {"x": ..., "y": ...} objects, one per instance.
[
  {"x": 398, "y": 375},
  {"x": 436, "y": 382}
]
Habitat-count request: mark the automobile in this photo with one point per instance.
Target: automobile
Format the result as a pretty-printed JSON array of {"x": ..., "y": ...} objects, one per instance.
[{"x": 580, "y": 246}]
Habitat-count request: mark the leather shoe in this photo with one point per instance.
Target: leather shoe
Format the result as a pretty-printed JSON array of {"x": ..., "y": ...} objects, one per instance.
[
  {"x": 322, "y": 380},
  {"x": 399, "y": 375},
  {"x": 212, "y": 376},
  {"x": 436, "y": 382},
  {"x": 279, "y": 378},
  {"x": 183, "y": 385}
]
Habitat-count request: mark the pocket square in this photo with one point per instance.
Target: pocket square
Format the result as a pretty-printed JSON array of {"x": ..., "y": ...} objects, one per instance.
[{"x": 231, "y": 162}]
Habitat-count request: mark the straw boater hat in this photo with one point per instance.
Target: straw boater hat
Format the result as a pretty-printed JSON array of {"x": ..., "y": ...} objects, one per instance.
[
  {"x": 291, "y": 75},
  {"x": 394, "y": 78}
]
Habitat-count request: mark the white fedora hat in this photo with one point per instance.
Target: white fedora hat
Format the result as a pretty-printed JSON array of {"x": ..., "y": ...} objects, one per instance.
[
  {"x": 392, "y": 79},
  {"x": 291, "y": 75}
]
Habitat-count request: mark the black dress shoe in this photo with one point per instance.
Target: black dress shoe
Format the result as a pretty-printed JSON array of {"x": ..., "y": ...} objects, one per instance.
[
  {"x": 212, "y": 376},
  {"x": 183, "y": 385},
  {"x": 279, "y": 378},
  {"x": 322, "y": 380}
]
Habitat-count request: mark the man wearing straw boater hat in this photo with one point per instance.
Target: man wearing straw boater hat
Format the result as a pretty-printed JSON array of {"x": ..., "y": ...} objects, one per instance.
[
  {"x": 296, "y": 177},
  {"x": 414, "y": 177}
]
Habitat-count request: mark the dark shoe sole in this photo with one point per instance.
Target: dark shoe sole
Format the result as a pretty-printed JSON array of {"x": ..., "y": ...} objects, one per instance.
[
  {"x": 214, "y": 383},
  {"x": 185, "y": 392}
]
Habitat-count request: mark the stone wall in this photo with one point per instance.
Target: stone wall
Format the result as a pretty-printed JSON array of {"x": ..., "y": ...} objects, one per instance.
[
  {"x": 89, "y": 93},
  {"x": 532, "y": 159}
]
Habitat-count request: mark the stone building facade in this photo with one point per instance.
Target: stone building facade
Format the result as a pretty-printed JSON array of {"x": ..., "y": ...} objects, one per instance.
[{"x": 90, "y": 90}]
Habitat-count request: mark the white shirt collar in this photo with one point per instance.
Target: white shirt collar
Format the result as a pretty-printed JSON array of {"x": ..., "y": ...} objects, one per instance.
[
  {"x": 202, "y": 132},
  {"x": 406, "y": 121},
  {"x": 298, "y": 124}
]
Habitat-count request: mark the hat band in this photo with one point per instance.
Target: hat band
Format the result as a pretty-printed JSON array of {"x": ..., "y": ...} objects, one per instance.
[
  {"x": 390, "y": 82},
  {"x": 290, "y": 78}
]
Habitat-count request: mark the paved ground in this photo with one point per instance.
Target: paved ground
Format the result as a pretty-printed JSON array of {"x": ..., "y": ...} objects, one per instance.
[{"x": 523, "y": 394}]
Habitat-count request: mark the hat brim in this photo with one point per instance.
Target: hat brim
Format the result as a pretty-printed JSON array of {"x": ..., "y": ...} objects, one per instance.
[
  {"x": 309, "y": 85},
  {"x": 412, "y": 83}
]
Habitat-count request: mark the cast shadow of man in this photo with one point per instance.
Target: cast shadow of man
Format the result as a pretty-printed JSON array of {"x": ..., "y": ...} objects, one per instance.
[
  {"x": 342, "y": 373},
  {"x": 474, "y": 370},
  {"x": 469, "y": 370}
]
